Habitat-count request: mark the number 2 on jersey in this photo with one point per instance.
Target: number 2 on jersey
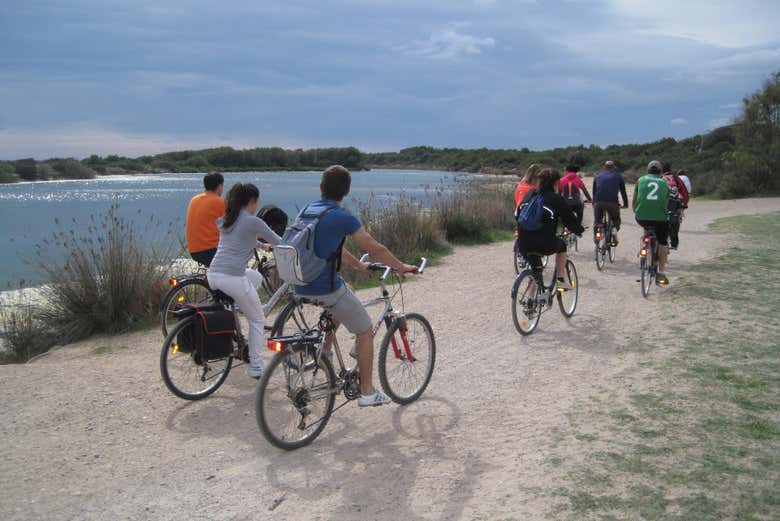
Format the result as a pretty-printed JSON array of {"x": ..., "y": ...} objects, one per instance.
[{"x": 653, "y": 195}]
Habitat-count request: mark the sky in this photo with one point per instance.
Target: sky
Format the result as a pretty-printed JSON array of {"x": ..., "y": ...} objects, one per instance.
[{"x": 146, "y": 76}]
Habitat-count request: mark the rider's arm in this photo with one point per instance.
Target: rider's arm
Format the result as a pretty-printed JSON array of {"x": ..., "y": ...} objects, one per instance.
[
  {"x": 347, "y": 257},
  {"x": 581, "y": 185},
  {"x": 633, "y": 199},
  {"x": 379, "y": 251},
  {"x": 567, "y": 216},
  {"x": 265, "y": 233},
  {"x": 623, "y": 192}
]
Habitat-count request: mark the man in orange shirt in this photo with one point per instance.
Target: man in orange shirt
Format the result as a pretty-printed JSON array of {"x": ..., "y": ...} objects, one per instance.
[{"x": 202, "y": 215}]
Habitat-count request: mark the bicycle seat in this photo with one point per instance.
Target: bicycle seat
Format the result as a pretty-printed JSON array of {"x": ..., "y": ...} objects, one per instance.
[{"x": 222, "y": 298}]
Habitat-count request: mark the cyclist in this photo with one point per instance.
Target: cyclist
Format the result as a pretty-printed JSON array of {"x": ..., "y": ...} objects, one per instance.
[
  {"x": 678, "y": 199},
  {"x": 202, "y": 215},
  {"x": 650, "y": 204},
  {"x": 529, "y": 182},
  {"x": 545, "y": 241},
  {"x": 570, "y": 187},
  {"x": 329, "y": 289},
  {"x": 606, "y": 186},
  {"x": 240, "y": 230}
]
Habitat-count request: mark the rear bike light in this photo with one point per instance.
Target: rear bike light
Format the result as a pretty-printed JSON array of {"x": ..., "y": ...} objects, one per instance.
[
  {"x": 598, "y": 235},
  {"x": 273, "y": 345},
  {"x": 643, "y": 252},
  {"x": 173, "y": 282}
]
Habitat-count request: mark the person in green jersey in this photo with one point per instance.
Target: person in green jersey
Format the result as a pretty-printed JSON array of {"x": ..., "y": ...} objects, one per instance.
[{"x": 650, "y": 204}]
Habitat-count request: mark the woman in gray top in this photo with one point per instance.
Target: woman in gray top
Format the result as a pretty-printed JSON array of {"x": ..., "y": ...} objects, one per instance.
[{"x": 239, "y": 230}]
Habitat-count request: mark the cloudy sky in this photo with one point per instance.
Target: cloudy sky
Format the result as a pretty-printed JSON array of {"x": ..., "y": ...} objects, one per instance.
[{"x": 143, "y": 76}]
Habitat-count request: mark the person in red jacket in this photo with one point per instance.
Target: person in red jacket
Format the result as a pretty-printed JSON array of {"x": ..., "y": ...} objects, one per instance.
[{"x": 570, "y": 187}]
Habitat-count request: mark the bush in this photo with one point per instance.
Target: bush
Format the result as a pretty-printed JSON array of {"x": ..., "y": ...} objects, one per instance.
[
  {"x": 472, "y": 210},
  {"x": 8, "y": 173},
  {"x": 72, "y": 169},
  {"x": 25, "y": 335},
  {"x": 109, "y": 278}
]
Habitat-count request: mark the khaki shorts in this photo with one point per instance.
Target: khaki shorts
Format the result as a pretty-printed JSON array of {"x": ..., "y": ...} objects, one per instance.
[{"x": 346, "y": 308}]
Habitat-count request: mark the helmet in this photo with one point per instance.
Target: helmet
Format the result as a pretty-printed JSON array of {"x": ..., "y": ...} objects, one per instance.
[{"x": 655, "y": 166}]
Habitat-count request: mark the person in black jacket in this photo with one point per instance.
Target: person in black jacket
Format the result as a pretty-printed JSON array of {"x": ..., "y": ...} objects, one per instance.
[{"x": 545, "y": 241}]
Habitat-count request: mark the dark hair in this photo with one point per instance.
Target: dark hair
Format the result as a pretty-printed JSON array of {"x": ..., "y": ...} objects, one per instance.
[
  {"x": 667, "y": 167},
  {"x": 212, "y": 180},
  {"x": 335, "y": 182},
  {"x": 239, "y": 195},
  {"x": 548, "y": 178},
  {"x": 573, "y": 168}
]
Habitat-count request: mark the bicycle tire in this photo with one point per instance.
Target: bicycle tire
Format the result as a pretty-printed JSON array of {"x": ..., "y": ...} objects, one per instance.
[
  {"x": 263, "y": 396},
  {"x": 611, "y": 252},
  {"x": 519, "y": 260},
  {"x": 647, "y": 277},
  {"x": 525, "y": 325},
  {"x": 389, "y": 389},
  {"x": 571, "y": 275},
  {"x": 600, "y": 255},
  {"x": 187, "y": 362},
  {"x": 167, "y": 319}
]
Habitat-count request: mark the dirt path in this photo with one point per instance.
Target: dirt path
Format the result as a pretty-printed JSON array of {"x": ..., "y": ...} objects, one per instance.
[{"x": 97, "y": 436}]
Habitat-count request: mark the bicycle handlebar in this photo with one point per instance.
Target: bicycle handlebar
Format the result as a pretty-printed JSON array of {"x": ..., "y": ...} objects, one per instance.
[{"x": 377, "y": 266}]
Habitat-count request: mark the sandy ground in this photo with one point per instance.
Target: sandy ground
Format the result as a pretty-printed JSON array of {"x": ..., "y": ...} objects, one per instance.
[{"x": 89, "y": 436}]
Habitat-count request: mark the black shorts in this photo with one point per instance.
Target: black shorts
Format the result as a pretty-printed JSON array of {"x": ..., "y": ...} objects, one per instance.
[
  {"x": 204, "y": 257},
  {"x": 661, "y": 229},
  {"x": 542, "y": 245}
]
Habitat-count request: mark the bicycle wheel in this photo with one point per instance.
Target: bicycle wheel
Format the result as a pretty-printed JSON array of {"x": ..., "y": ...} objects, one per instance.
[
  {"x": 567, "y": 299},
  {"x": 647, "y": 273},
  {"x": 295, "y": 399},
  {"x": 193, "y": 291},
  {"x": 182, "y": 375},
  {"x": 600, "y": 243},
  {"x": 406, "y": 358},
  {"x": 611, "y": 252},
  {"x": 576, "y": 245},
  {"x": 526, "y": 306}
]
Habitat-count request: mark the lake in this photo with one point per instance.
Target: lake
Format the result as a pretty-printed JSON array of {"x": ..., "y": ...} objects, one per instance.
[{"x": 28, "y": 210}]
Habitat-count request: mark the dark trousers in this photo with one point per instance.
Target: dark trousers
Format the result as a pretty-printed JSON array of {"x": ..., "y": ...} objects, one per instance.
[
  {"x": 204, "y": 257},
  {"x": 613, "y": 209}
]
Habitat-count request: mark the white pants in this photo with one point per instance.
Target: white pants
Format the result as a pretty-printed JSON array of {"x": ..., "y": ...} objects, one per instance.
[{"x": 244, "y": 291}]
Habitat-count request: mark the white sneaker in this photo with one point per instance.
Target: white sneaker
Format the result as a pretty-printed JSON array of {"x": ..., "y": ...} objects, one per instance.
[
  {"x": 372, "y": 400},
  {"x": 254, "y": 371}
]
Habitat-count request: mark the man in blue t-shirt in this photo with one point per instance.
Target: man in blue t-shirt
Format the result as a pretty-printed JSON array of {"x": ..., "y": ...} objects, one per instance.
[
  {"x": 329, "y": 289},
  {"x": 606, "y": 187}
]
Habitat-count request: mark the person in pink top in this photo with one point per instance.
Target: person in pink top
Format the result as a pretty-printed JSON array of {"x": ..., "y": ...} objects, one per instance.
[{"x": 571, "y": 188}]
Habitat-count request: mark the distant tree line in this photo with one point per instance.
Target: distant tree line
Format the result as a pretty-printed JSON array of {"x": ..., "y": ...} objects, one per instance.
[{"x": 735, "y": 160}]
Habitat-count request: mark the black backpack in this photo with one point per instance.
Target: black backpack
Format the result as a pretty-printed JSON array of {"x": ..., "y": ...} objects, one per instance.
[{"x": 274, "y": 217}]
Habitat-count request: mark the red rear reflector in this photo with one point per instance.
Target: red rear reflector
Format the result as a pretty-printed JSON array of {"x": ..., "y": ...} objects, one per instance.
[
  {"x": 646, "y": 240},
  {"x": 173, "y": 282},
  {"x": 273, "y": 345}
]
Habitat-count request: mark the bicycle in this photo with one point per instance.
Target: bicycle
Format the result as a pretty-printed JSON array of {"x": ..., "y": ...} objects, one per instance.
[
  {"x": 520, "y": 262},
  {"x": 193, "y": 289},
  {"x": 205, "y": 376},
  {"x": 297, "y": 393},
  {"x": 604, "y": 244},
  {"x": 648, "y": 260},
  {"x": 531, "y": 297},
  {"x": 570, "y": 239}
]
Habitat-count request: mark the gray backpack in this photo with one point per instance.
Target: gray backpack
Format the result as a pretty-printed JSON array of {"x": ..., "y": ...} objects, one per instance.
[{"x": 296, "y": 261}]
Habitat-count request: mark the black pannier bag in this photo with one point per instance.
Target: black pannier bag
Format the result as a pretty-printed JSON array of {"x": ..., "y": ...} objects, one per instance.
[
  {"x": 209, "y": 336},
  {"x": 274, "y": 217}
]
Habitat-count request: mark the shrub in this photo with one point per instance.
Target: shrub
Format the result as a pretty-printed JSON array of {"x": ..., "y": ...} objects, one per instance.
[
  {"x": 25, "y": 335},
  {"x": 109, "y": 278},
  {"x": 8, "y": 173},
  {"x": 471, "y": 211},
  {"x": 72, "y": 169}
]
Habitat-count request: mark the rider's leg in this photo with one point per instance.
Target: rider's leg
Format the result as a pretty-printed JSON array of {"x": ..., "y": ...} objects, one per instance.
[
  {"x": 560, "y": 264},
  {"x": 598, "y": 212},
  {"x": 365, "y": 349},
  {"x": 243, "y": 290},
  {"x": 663, "y": 252}
]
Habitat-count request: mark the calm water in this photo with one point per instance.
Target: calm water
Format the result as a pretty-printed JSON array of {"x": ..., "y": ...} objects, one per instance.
[{"x": 28, "y": 210}]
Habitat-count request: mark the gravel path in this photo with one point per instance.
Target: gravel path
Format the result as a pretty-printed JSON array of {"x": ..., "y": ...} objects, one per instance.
[{"x": 98, "y": 436}]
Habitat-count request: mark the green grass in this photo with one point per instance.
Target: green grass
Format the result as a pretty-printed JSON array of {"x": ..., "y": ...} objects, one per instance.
[{"x": 703, "y": 441}]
